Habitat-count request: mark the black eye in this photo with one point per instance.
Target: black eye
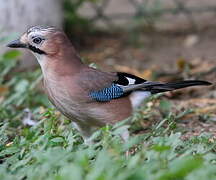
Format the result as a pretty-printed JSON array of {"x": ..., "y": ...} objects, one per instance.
[{"x": 37, "y": 40}]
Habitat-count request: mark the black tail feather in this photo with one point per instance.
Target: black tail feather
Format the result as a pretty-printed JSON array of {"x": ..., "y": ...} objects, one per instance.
[{"x": 176, "y": 85}]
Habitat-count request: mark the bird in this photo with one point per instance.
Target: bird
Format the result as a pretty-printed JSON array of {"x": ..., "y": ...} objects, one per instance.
[{"x": 89, "y": 97}]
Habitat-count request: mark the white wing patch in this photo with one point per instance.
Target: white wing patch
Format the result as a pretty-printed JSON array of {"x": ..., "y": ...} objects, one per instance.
[
  {"x": 130, "y": 80},
  {"x": 137, "y": 97}
]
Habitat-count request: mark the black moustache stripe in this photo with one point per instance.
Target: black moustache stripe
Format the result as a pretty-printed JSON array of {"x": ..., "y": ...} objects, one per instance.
[{"x": 36, "y": 50}]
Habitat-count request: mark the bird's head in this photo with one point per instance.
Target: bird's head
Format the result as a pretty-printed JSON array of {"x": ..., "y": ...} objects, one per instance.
[
  {"x": 51, "y": 47},
  {"x": 41, "y": 41}
]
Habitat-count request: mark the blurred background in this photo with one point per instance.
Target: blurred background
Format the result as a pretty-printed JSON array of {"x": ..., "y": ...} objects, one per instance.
[{"x": 136, "y": 33}]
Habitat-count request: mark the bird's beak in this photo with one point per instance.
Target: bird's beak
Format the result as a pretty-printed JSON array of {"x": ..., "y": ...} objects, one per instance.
[{"x": 17, "y": 44}]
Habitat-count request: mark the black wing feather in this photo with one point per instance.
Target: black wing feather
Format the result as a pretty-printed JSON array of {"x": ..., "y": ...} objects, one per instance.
[
  {"x": 153, "y": 87},
  {"x": 123, "y": 79}
]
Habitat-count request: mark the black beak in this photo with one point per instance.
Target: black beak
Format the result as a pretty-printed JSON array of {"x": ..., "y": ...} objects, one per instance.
[{"x": 16, "y": 44}]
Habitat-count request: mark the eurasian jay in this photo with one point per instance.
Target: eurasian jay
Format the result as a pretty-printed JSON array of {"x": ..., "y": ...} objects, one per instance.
[{"x": 89, "y": 97}]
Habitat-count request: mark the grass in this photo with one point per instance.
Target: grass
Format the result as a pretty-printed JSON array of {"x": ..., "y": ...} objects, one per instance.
[{"x": 53, "y": 149}]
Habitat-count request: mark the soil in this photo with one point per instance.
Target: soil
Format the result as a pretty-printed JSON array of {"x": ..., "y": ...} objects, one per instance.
[{"x": 162, "y": 49}]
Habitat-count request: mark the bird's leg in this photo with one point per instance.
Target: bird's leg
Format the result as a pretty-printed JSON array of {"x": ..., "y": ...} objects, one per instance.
[
  {"x": 85, "y": 132},
  {"x": 125, "y": 137}
]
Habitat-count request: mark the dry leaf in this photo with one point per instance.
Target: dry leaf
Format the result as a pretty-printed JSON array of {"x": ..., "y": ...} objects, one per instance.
[
  {"x": 191, "y": 40},
  {"x": 3, "y": 89}
]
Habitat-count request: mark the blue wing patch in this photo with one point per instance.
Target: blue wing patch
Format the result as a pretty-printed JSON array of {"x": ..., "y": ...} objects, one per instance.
[{"x": 107, "y": 94}]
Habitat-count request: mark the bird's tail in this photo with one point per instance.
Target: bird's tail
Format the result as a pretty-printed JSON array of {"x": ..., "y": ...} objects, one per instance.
[{"x": 163, "y": 87}]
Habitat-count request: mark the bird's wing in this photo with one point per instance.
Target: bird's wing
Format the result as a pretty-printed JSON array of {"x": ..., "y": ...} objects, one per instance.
[{"x": 105, "y": 86}]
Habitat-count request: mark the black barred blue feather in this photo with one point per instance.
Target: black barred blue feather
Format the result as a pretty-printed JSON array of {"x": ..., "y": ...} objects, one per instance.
[{"x": 107, "y": 94}]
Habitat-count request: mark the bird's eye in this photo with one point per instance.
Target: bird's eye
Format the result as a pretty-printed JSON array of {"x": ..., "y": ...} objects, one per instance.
[{"x": 37, "y": 40}]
